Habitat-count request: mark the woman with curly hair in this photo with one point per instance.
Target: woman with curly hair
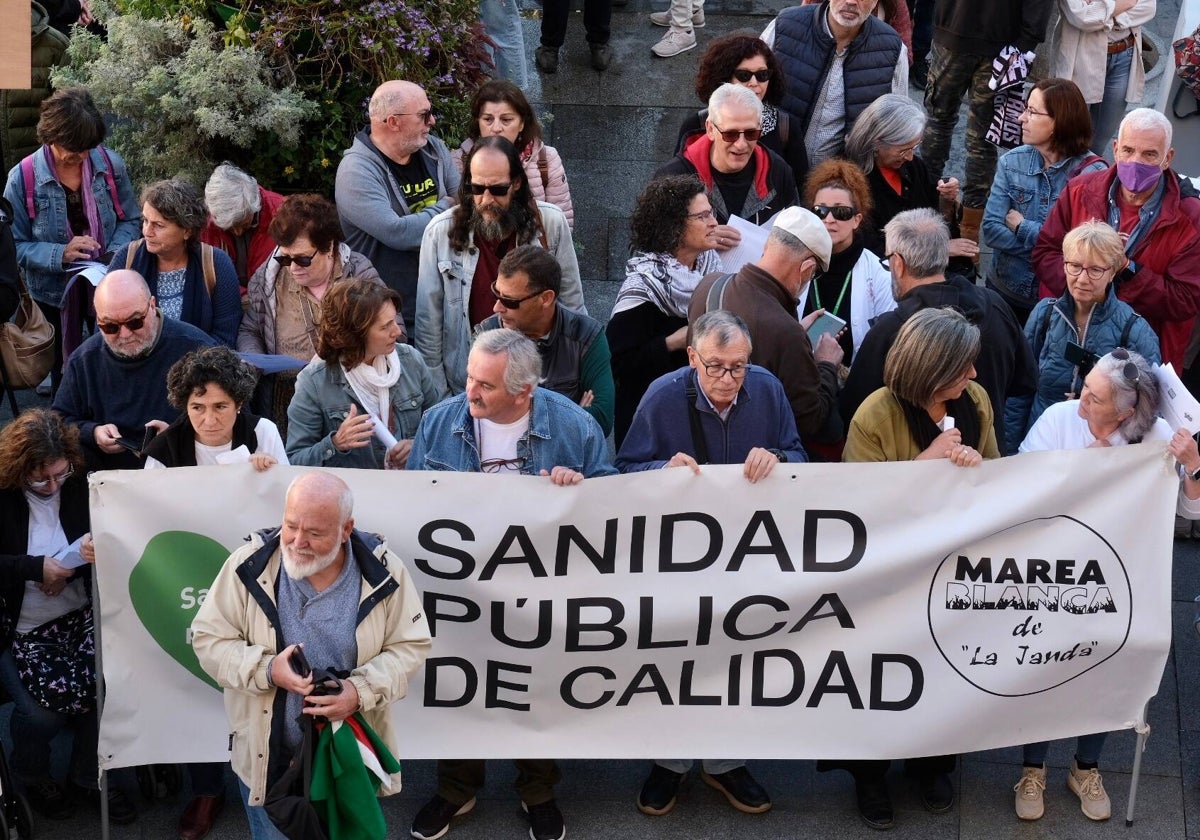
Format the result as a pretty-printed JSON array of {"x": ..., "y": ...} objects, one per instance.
[
  {"x": 746, "y": 60},
  {"x": 191, "y": 281},
  {"x": 856, "y": 287},
  {"x": 209, "y": 387},
  {"x": 671, "y": 240},
  {"x": 358, "y": 403},
  {"x": 43, "y": 513},
  {"x": 499, "y": 108}
]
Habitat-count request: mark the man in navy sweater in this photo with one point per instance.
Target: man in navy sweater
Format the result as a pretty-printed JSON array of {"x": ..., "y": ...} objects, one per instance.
[
  {"x": 719, "y": 410},
  {"x": 115, "y": 384}
]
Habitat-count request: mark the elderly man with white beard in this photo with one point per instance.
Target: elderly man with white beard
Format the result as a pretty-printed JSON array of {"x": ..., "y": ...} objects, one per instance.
[{"x": 342, "y": 597}]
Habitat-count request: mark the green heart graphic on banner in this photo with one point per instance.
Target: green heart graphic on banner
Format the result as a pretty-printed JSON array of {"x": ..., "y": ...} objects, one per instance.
[{"x": 167, "y": 586}]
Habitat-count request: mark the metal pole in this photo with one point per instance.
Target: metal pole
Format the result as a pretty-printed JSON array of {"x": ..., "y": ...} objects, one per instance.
[
  {"x": 1143, "y": 732},
  {"x": 99, "y": 705}
]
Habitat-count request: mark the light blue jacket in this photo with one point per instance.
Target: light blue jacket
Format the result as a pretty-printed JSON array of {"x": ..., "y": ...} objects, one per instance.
[
  {"x": 40, "y": 243},
  {"x": 1050, "y": 326},
  {"x": 322, "y": 401},
  {"x": 1025, "y": 184},
  {"x": 561, "y": 434}
]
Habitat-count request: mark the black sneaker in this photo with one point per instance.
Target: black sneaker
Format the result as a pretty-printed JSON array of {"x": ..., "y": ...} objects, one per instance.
[
  {"x": 545, "y": 821},
  {"x": 433, "y": 820},
  {"x": 740, "y": 789},
  {"x": 874, "y": 803},
  {"x": 601, "y": 56},
  {"x": 937, "y": 793},
  {"x": 121, "y": 810},
  {"x": 48, "y": 798},
  {"x": 546, "y": 59},
  {"x": 659, "y": 791}
]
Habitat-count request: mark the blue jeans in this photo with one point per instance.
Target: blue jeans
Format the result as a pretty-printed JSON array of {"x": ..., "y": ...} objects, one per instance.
[
  {"x": 1108, "y": 113},
  {"x": 1087, "y": 747},
  {"x": 33, "y": 727},
  {"x": 261, "y": 827},
  {"x": 502, "y": 21},
  {"x": 712, "y": 766}
]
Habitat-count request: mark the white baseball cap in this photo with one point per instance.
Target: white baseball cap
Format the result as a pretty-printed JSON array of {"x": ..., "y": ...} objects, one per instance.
[{"x": 805, "y": 226}]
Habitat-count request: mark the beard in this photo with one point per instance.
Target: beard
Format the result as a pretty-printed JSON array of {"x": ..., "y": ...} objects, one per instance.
[
  {"x": 496, "y": 226},
  {"x": 305, "y": 564}
]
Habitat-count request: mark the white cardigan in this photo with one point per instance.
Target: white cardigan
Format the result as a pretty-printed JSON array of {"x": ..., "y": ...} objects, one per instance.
[
  {"x": 870, "y": 296},
  {"x": 1079, "y": 45}
]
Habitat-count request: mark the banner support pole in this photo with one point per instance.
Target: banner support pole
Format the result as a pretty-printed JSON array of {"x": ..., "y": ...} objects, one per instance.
[
  {"x": 103, "y": 780},
  {"x": 1143, "y": 733}
]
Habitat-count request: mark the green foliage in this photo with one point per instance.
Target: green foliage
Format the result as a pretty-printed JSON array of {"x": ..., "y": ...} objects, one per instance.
[{"x": 179, "y": 96}]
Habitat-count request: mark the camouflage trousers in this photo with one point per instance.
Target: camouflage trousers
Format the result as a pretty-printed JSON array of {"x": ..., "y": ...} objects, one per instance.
[{"x": 952, "y": 76}]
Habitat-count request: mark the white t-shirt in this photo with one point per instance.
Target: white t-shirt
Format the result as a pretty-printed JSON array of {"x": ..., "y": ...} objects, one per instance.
[
  {"x": 269, "y": 443},
  {"x": 46, "y": 538},
  {"x": 498, "y": 441}
]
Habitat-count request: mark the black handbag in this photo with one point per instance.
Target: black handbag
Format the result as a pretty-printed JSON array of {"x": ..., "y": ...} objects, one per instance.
[{"x": 57, "y": 663}]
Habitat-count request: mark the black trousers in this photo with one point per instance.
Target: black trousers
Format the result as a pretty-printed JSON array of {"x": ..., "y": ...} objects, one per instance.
[{"x": 597, "y": 16}]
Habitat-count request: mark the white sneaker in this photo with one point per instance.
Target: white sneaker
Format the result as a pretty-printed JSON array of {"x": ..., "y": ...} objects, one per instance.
[
  {"x": 664, "y": 18},
  {"x": 1029, "y": 793},
  {"x": 1086, "y": 784},
  {"x": 674, "y": 42}
]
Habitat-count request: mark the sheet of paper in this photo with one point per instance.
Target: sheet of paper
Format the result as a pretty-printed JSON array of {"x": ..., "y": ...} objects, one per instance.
[
  {"x": 754, "y": 237},
  {"x": 1175, "y": 403},
  {"x": 70, "y": 557},
  {"x": 90, "y": 270},
  {"x": 241, "y": 455}
]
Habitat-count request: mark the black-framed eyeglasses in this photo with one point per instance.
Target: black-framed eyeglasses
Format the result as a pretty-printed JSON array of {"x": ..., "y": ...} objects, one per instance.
[
  {"x": 427, "y": 116},
  {"x": 495, "y": 465},
  {"x": 717, "y": 371},
  {"x": 1094, "y": 272},
  {"x": 731, "y": 135},
  {"x": 702, "y": 216},
  {"x": 54, "y": 479},
  {"x": 839, "y": 211},
  {"x": 743, "y": 75},
  {"x": 299, "y": 259},
  {"x": 508, "y": 302},
  {"x": 883, "y": 261},
  {"x": 132, "y": 324},
  {"x": 498, "y": 190}
]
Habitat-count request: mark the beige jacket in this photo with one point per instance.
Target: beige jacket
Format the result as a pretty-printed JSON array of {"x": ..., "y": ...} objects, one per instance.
[
  {"x": 1079, "y": 45},
  {"x": 234, "y": 640}
]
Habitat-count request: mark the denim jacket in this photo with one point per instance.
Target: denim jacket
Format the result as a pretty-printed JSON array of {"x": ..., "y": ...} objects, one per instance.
[
  {"x": 444, "y": 278},
  {"x": 322, "y": 401},
  {"x": 40, "y": 244},
  {"x": 1023, "y": 183},
  {"x": 561, "y": 434}
]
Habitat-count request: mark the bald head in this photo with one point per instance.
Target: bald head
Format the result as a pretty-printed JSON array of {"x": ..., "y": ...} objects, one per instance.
[
  {"x": 322, "y": 489},
  {"x": 392, "y": 97},
  {"x": 316, "y": 526},
  {"x": 118, "y": 289},
  {"x": 123, "y": 301}
]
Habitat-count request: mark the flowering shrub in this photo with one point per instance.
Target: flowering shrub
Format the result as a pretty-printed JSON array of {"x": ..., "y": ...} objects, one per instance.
[{"x": 180, "y": 97}]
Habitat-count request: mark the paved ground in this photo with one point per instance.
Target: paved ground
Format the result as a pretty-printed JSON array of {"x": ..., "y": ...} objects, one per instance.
[{"x": 613, "y": 130}]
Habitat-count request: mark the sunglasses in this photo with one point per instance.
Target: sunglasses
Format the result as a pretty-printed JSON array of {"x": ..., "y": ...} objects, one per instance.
[
  {"x": 1129, "y": 370},
  {"x": 732, "y": 135},
  {"x": 839, "y": 211},
  {"x": 761, "y": 76},
  {"x": 511, "y": 303},
  {"x": 132, "y": 324},
  {"x": 303, "y": 261},
  {"x": 498, "y": 190}
]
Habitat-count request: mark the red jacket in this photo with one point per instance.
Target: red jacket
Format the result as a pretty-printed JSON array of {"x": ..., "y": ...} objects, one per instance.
[
  {"x": 1166, "y": 288},
  {"x": 261, "y": 243}
]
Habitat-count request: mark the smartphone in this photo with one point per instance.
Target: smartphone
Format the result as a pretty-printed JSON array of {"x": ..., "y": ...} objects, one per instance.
[
  {"x": 827, "y": 323},
  {"x": 1078, "y": 355},
  {"x": 299, "y": 662},
  {"x": 133, "y": 446}
]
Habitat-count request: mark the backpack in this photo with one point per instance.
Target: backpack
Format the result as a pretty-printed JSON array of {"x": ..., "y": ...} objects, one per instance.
[
  {"x": 206, "y": 260},
  {"x": 27, "y": 178},
  {"x": 1187, "y": 68}
]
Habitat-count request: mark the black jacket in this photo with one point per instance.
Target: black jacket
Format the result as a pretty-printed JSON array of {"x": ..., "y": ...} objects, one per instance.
[
  {"x": 1005, "y": 366},
  {"x": 16, "y": 565},
  {"x": 983, "y": 29}
]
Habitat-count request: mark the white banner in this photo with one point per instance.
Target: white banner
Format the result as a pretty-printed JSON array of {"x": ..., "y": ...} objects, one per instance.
[{"x": 833, "y": 611}]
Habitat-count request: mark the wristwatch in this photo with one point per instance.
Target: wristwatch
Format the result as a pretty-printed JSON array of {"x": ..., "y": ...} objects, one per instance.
[
  {"x": 1194, "y": 476},
  {"x": 778, "y": 453}
]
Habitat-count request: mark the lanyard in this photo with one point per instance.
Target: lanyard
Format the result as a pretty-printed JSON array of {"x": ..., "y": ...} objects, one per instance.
[{"x": 842, "y": 294}]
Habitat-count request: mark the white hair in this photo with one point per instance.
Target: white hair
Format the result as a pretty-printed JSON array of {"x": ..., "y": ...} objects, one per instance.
[
  {"x": 524, "y": 366},
  {"x": 1147, "y": 119},
  {"x": 231, "y": 195},
  {"x": 737, "y": 96}
]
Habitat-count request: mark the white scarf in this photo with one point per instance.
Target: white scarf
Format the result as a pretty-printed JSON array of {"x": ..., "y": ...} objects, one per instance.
[{"x": 372, "y": 385}]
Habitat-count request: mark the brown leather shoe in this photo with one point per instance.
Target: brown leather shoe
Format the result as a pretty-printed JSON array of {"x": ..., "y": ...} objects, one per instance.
[{"x": 198, "y": 817}]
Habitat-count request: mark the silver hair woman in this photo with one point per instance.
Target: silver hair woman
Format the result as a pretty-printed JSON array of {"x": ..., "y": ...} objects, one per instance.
[
  {"x": 232, "y": 197},
  {"x": 930, "y": 406}
]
